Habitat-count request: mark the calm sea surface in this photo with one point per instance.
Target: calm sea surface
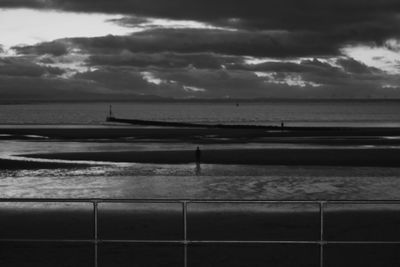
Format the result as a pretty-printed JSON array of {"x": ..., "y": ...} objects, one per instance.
[{"x": 329, "y": 113}]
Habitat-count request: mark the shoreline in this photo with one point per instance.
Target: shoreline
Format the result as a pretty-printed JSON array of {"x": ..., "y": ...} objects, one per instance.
[{"x": 63, "y": 132}]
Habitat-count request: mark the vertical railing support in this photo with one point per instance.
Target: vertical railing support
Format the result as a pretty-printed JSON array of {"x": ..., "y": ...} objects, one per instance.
[
  {"x": 322, "y": 234},
  {"x": 95, "y": 233},
  {"x": 185, "y": 239}
]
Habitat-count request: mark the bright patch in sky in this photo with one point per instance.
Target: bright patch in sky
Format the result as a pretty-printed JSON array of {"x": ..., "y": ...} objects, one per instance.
[
  {"x": 193, "y": 89},
  {"x": 256, "y": 61},
  {"x": 374, "y": 56},
  {"x": 28, "y": 26},
  {"x": 179, "y": 24},
  {"x": 288, "y": 79},
  {"x": 71, "y": 63},
  {"x": 150, "y": 78}
]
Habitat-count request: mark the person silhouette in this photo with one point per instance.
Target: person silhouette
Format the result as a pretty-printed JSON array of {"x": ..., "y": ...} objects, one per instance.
[
  {"x": 198, "y": 155},
  {"x": 198, "y": 161}
]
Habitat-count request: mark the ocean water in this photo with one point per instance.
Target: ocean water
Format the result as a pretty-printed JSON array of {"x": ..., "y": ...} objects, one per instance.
[{"x": 294, "y": 113}]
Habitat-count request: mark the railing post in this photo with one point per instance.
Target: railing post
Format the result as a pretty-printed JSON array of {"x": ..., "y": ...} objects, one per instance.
[
  {"x": 185, "y": 240},
  {"x": 322, "y": 234},
  {"x": 95, "y": 232}
]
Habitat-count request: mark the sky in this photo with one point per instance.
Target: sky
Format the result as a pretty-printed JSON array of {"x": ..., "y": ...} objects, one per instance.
[{"x": 76, "y": 50}]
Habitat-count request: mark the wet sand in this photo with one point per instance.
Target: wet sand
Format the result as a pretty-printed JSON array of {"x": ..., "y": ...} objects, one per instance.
[
  {"x": 8, "y": 164},
  {"x": 328, "y": 157}
]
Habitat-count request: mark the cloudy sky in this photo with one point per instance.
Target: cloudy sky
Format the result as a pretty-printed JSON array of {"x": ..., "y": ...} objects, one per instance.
[{"x": 144, "y": 49}]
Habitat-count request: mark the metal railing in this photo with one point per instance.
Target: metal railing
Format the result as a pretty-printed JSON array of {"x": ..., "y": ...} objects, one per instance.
[{"x": 322, "y": 241}]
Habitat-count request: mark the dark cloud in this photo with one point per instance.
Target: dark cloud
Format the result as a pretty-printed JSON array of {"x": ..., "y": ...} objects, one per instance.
[
  {"x": 133, "y": 81},
  {"x": 291, "y": 12},
  {"x": 126, "y": 82},
  {"x": 121, "y": 62},
  {"x": 117, "y": 79},
  {"x": 25, "y": 88},
  {"x": 12, "y": 66},
  {"x": 132, "y": 21},
  {"x": 37, "y": 88},
  {"x": 212, "y": 62},
  {"x": 180, "y": 83},
  {"x": 245, "y": 84},
  {"x": 278, "y": 28},
  {"x": 24, "y": 3},
  {"x": 302, "y": 27},
  {"x": 341, "y": 68},
  {"x": 208, "y": 83},
  {"x": 239, "y": 43},
  {"x": 261, "y": 14},
  {"x": 165, "y": 60},
  {"x": 55, "y": 48},
  {"x": 354, "y": 66}
]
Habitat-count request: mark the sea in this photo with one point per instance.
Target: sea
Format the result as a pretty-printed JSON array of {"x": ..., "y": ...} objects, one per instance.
[
  {"x": 187, "y": 181},
  {"x": 384, "y": 113}
]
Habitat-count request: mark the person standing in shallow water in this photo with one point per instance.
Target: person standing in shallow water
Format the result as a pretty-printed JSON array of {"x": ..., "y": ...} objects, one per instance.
[
  {"x": 198, "y": 161},
  {"x": 198, "y": 155}
]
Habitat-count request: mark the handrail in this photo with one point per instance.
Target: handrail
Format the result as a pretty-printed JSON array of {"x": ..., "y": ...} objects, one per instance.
[{"x": 195, "y": 200}]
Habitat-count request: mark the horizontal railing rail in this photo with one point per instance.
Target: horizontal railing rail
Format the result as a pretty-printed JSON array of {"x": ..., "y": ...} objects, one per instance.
[
  {"x": 185, "y": 241},
  {"x": 196, "y": 200}
]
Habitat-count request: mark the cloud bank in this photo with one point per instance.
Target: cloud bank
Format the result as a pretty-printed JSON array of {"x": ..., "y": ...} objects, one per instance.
[{"x": 217, "y": 49}]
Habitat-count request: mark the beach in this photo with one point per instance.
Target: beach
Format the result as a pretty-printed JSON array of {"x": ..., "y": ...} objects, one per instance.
[
  {"x": 292, "y": 146},
  {"x": 122, "y": 161}
]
